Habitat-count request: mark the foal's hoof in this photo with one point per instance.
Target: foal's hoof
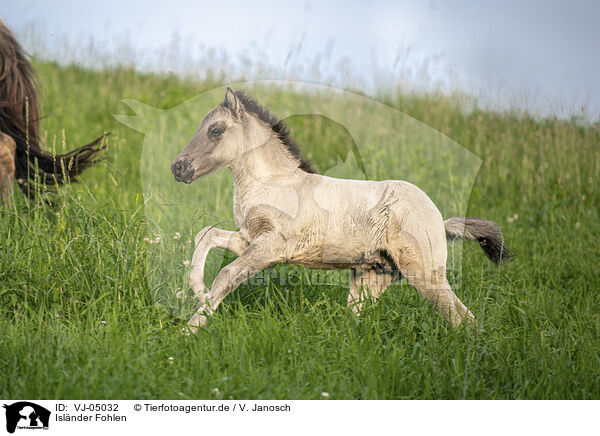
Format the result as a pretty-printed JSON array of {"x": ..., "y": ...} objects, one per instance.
[
  {"x": 470, "y": 320},
  {"x": 197, "y": 320},
  {"x": 194, "y": 324},
  {"x": 188, "y": 331}
]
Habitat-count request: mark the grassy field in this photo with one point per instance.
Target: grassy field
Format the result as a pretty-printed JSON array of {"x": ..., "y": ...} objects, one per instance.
[{"x": 84, "y": 315}]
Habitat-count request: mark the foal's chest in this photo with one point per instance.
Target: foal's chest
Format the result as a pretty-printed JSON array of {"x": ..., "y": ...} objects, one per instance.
[{"x": 254, "y": 206}]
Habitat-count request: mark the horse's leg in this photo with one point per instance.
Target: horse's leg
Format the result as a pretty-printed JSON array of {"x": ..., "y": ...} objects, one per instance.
[
  {"x": 421, "y": 259},
  {"x": 206, "y": 240},
  {"x": 7, "y": 165},
  {"x": 367, "y": 284},
  {"x": 431, "y": 283},
  {"x": 260, "y": 254}
]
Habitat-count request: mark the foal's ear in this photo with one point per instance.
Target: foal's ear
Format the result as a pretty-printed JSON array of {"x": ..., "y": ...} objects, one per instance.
[{"x": 232, "y": 103}]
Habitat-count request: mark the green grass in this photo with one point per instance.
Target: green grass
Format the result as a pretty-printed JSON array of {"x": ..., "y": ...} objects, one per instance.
[{"x": 83, "y": 316}]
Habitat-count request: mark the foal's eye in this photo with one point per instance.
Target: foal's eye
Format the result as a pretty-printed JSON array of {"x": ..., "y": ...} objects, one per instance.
[{"x": 215, "y": 131}]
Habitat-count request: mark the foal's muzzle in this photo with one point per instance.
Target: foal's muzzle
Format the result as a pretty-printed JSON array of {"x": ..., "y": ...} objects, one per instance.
[{"x": 181, "y": 170}]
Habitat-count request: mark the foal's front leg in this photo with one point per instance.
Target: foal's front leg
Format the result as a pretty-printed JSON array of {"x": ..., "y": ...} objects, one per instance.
[
  {"x": 206, "y": 240},
  {"x": 260, "y": 254}
]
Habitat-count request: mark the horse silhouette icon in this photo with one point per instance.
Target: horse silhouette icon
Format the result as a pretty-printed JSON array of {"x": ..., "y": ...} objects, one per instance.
[{"x": 27, "y": 415}]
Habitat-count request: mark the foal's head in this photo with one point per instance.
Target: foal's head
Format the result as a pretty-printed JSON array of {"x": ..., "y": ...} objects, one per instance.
[{"x": 217, "y": 142}]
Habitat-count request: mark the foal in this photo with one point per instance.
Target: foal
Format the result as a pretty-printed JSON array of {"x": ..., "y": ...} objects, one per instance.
[{"x": 287, "y": 213}]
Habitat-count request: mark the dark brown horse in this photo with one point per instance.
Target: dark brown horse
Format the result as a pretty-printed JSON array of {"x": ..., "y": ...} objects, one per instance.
[{"x": 21, "y": 156}]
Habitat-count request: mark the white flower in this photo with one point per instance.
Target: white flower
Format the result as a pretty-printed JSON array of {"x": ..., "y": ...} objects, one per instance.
[
  {"x": 186, "y": 263},
  {"x": 146, "y": 239},
  {"x": 102, "y": 322},
  {"x": 177, "y": 236},
  {"x": 171, "y": 359},
  {"x": 216, "y": 391},
  {"x": 325, "y": 395}
]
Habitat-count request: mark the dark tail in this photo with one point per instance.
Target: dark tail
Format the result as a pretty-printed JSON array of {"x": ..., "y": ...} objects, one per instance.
[
  {"x": 483, "y": 231},
  {"x": 34, "y": 166},
  {"x": 19, "y": 118}
]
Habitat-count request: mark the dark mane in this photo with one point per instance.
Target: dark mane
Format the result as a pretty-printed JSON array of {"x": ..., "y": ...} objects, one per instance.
[
  {"x": 278, "y": 126},
  {"x": 19, "y": 119}
]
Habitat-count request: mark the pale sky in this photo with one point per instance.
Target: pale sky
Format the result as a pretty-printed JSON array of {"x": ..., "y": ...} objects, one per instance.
[{"x": 542, "y": 55}]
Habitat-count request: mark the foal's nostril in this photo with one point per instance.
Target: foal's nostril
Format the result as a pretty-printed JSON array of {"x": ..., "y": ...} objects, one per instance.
[
  {"x": 177, "y": 167},
  {"x": 181, "y": 169}
]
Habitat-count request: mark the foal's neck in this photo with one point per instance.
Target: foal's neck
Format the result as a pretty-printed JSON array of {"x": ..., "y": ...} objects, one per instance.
[{"x": 269, "y": 163}]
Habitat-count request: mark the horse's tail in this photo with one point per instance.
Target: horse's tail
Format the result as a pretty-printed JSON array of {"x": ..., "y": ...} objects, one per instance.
[
  {"x": 19, "y": 118},
  {"x": 35, "y": 165},
  {"x": 485, "y": 232}
]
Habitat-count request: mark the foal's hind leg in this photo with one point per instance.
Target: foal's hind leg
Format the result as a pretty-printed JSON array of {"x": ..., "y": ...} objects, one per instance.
[
  {"x": 431, "y": 283},
  {"x": 367, "y": 284},
  {"x": 206, "y": 240}
]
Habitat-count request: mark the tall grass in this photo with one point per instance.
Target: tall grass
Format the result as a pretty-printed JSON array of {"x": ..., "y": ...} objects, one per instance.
[{"x": 80, "y": 317}]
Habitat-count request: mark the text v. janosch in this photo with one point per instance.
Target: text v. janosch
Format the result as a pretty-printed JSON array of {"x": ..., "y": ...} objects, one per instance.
[{"x": 88, "y": 412}]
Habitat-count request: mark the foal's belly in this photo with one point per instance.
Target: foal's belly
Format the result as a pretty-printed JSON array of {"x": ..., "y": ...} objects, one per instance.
[{"x": 343, "y": 254}]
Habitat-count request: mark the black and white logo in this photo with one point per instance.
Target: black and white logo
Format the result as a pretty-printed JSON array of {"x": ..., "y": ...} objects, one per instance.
[{"x": 26, "y": 415}]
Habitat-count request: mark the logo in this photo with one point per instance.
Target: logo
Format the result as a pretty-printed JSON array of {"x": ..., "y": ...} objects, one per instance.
[{"x": 26, "y": 415}]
